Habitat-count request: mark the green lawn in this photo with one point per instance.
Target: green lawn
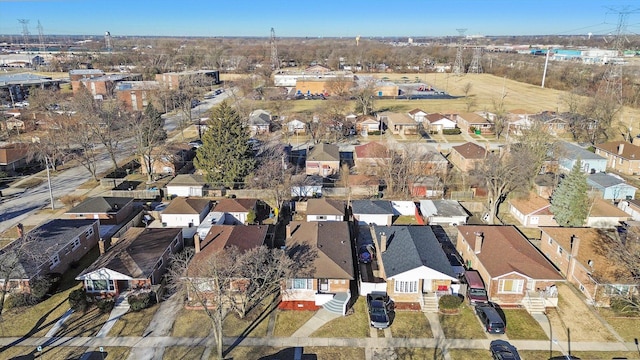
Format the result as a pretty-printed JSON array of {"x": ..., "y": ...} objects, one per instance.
[
  {"x": 288, "y": 321},
  {"x": 405, "y": 220},
  {"x": 133, "y": 323},
  {"x": 410, "y": 324},
  {"x": 521, "y": 326},
  {"x": 356, "y": 325},
  {"x": 464, "y": 325},
  {"x": 191, "y": 323}
]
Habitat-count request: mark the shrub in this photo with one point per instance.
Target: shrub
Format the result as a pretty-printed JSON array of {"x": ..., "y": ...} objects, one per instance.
[
  {"x": 78, "y": 300},
  {"x": 450, "y": 302},
  {"x": 105, "y": 305},
  {"x": 455, "y": 131},
  {"x": 18, "y": 300},
  {"x": 141, "y": 301},
  {"x": 377, "y": 132},
  {"x": 45, "y": 286}
]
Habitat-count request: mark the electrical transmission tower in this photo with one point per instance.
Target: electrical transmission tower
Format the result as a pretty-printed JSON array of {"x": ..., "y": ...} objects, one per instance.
[
  {"x": 275, "y": 63},
  {"x": 458, "y": 65},
  {"x": 476, "y": 62},
  {"x": 611, "y": 86},
  {"x": 25, "y": 33},
  {"x": 41, "y": 38}
]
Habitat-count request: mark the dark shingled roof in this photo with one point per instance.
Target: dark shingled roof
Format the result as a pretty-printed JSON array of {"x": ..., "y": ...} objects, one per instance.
[
  {"x": 100, "y": 205},
  {"x": 136, "y": 253},
  {"x": 382, "y": 207},
  {"x": 411, "y": 247},
  {"x": 50, "y": 238},
  {"x": 331, "y": 240}
]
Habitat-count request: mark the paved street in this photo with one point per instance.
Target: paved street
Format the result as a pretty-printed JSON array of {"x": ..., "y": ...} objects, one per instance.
[{"x": 20, "y": 203}]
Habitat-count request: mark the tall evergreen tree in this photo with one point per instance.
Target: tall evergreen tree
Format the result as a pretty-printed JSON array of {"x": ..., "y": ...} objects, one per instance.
[
  {"x": 570, "y": 202},
  {"x": 225, "y": 156}
]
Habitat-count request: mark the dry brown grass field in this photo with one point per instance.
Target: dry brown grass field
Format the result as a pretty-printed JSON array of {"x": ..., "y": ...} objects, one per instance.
[{"x": 489, "y": 88}]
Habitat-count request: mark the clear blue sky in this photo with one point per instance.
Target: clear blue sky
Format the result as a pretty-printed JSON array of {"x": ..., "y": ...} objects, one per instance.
[{"x": 330, "y": 18}]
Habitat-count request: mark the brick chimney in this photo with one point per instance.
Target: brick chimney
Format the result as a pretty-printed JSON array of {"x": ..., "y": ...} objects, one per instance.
[
  {"x": 101, "y": 246},
  {"x": 20, "y": 229},
  {"x": 479, "y": 240},
  {"x": 620, "y": 148},
  {"x": 196, "y": 242},
  {"x": 574, "y": 245},
  {"x": 383, "y": 242}
]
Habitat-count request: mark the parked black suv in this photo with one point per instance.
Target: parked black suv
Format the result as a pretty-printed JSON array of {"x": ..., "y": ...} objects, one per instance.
[{"x": 490, "y": 318}]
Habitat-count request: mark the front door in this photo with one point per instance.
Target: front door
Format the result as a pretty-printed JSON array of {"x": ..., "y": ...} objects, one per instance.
[
  {"x": 323, "y": 285},
  {"x": 123, "y": 285},
  {"x": 426, "y": 285}
]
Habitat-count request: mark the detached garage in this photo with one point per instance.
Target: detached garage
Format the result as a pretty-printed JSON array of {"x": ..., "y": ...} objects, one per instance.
[{"x": 186, "y": 185}]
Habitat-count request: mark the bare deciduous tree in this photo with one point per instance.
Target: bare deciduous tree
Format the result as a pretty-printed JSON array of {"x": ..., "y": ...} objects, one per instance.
[
  {"x": 273, "y": 175},
  {"x": 503, "y": 174},
  {"x": 234, "y": 280},
  {"x": 148, "y": 135},
  {"x": 26, "y": 252},
  {"x": 470, "y": 100}
]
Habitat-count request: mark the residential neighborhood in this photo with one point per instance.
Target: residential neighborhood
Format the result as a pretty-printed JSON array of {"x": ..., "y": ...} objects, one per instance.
[{"x": 376, "y": 198}]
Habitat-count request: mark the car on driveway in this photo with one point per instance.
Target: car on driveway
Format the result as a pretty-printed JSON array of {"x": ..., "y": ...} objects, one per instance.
[
  {"x": 503, "y": 350},
  {"x": 379, "y": 307},
  {"x": 490, "y": 318}
]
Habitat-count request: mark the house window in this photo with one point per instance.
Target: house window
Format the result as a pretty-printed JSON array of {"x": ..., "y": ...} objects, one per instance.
[
  {"x": 55, "y": 260},
  {"x": 550, "y": 241},
  {"x": 620, "y": 161},
  {"x": 559, "y": 250},
  {"x": 89, "y": 232},
  {"x": 76, "y": 243},
  {"x": 581, "y": 287},
  {"x": 513, "y": 286},
  {"x": 534, "y": 220},
  {"x": 300, "y": 284},
  {"x": 321, "y": 217},
  {"x": 159, "y": 264},
  {"x": 99, "y": 285},
  {"x": 406, "y": 286}
]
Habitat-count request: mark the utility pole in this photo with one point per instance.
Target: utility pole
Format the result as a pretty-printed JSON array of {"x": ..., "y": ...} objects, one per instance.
[
  {"x": 458, "y": 65},
  {"x": 546, "y": 62}
]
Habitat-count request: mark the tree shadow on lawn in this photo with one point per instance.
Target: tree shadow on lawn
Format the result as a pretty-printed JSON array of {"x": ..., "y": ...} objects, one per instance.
[{"x": 254, "y": 324}]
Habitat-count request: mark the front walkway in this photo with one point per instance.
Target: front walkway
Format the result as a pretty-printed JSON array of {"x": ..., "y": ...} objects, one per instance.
[{"x": 320, "y": 318}]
